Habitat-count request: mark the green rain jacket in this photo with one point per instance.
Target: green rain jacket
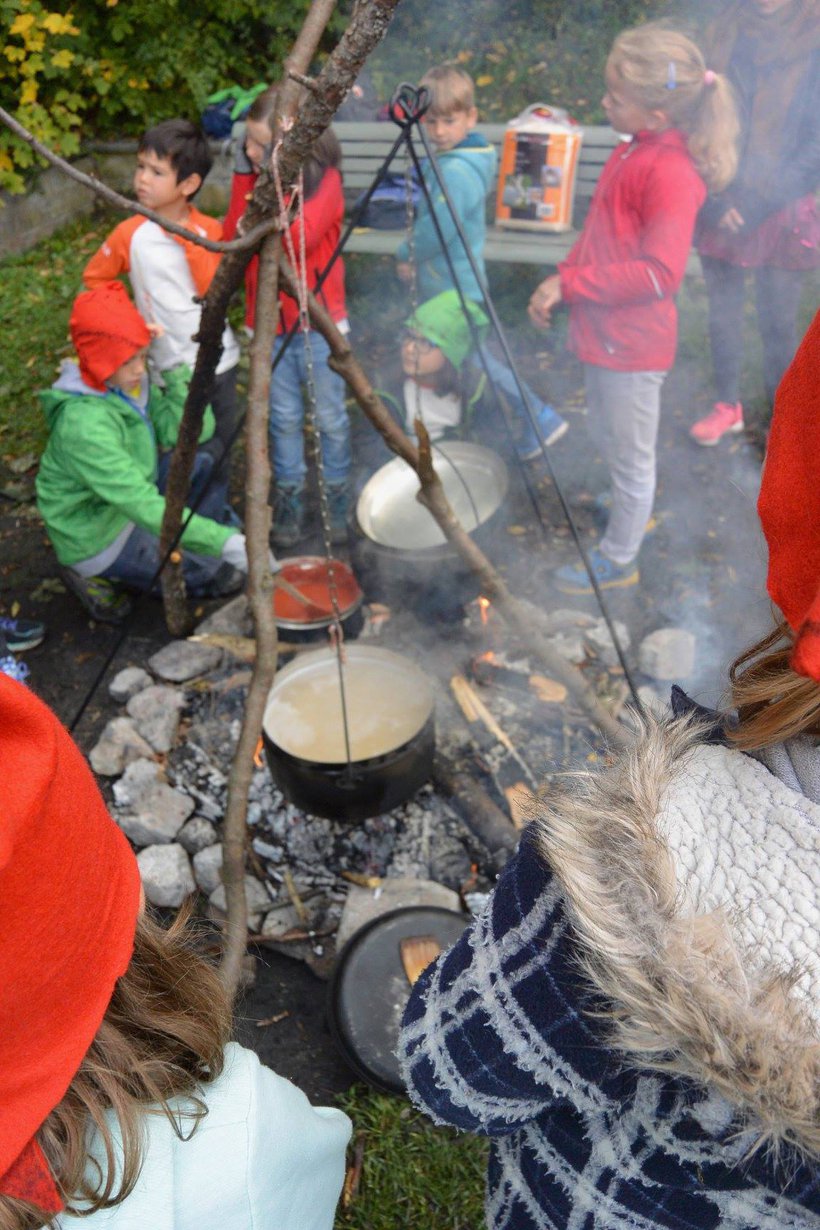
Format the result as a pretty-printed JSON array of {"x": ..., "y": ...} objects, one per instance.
[{"x": 99, "y": 470}]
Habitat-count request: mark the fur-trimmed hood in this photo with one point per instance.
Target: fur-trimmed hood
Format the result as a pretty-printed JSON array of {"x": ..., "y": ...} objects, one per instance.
[{"x": 692, "y": 876}]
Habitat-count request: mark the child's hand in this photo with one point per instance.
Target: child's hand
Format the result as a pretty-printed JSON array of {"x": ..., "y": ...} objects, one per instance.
[
  {"x": 544, "y": 298},
  {"x": 404, "y": 271},
  {"x": 155, "y": 329},
  {"x": 732, "y": 221}
]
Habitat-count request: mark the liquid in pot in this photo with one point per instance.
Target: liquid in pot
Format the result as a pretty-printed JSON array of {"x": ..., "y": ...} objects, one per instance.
[{"x": 385, "y": 710}]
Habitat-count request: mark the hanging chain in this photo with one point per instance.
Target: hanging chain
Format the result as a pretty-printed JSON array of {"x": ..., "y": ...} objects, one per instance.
[
  {"x": 298, "y": 263},
  {"x": 409, "y": 223}
]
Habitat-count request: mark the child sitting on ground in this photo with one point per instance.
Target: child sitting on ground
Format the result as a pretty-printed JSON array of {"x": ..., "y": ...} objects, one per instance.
[
  {"x": 323, "y": 212},
  {"x": 122, "y": 1101},
  {"x": 100, "y": 477},
  {"x": 467, "y": 164},
  {"x": 169, "y": 274},
  {"x": 433, "y": 385}
]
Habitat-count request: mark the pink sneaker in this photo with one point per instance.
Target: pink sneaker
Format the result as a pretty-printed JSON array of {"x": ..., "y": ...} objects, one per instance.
[{"x": 723, "y": 419}]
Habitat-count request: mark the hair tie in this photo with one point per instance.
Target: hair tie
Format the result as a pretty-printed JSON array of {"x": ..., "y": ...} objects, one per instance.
[
  {"x": 672, "y": 76},
  {"x": 709, "y": 78}
]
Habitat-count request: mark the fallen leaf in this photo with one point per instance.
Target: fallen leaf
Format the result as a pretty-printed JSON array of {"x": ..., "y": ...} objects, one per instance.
[{"x": 548, "y": 690}]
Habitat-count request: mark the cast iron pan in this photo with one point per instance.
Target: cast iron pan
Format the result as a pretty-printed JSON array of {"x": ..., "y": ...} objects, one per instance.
[{"x": 369, "y": 989}]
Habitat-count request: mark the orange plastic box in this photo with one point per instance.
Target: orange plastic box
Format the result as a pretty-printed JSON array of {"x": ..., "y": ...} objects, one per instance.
[{"x": 536, "y": 182}]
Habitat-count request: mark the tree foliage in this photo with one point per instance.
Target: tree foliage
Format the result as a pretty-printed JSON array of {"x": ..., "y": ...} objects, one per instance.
[
  {"x": 100, "y": 68},
  {"x": 521, "y": 51}
]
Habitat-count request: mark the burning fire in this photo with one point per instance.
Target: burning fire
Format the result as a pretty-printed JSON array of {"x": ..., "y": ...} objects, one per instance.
[{"x": 484, "y": 608}]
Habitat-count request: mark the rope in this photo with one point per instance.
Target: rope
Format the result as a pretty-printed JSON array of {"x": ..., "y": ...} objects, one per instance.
[{"x": 298, "y": 263}]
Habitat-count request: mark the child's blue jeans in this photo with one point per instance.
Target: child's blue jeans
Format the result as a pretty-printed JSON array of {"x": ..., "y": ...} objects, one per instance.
[
  {"x": 137, "y": 562},
  {"x": 287, "y": 414}
]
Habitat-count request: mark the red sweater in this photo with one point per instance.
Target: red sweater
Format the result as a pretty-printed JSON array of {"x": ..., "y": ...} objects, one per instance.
[
  {"x": 323, "y": 224},
  {"x": 621, "y": 276}
]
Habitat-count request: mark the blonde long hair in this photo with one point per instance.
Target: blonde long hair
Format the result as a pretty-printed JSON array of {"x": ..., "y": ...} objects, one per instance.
[
  {"x": 661, "y": 69},
  {"x": 773, "y": 702},
  {"x": 162, "y": 1037}
]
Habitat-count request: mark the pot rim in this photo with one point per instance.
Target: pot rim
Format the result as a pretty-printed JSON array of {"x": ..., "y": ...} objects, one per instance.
[
  {"x": 457, "y": 450},
  {"x": 354, "y": 651}
]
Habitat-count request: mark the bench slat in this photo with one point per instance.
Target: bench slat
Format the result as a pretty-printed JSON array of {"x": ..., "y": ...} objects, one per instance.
[{"x": 366, "y": 145}]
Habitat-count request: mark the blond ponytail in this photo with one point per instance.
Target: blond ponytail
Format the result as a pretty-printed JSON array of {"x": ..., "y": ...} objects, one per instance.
[{"x": 663, "y": 70}]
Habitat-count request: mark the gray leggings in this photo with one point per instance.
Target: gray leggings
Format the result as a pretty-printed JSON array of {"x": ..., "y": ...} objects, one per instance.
[{"x": 624, "y": 408}]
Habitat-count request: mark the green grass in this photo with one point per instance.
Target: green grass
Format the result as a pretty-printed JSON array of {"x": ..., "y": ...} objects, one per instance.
[
  {"x": 36, "y": 293},
  {"x": 413, "y": 1174}
]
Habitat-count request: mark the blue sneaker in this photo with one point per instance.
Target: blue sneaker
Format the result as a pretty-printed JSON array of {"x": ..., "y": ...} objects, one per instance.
[
  {"x": 21, "y": 634},
  {"x": 551, "y": 427},
  {"x": 574, "y": 579},
  {"x": 14, "y": 669}
]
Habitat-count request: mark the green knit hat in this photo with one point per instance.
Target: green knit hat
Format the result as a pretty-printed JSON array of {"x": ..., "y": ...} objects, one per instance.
[{"x": 442, "y": 321}]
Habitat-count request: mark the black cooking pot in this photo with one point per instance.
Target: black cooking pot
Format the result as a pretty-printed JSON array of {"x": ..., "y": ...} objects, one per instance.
[
  {"x": 310, "y": 574},
  {"x": 391, "y": 723},
  {"x": 398, "y": 549}
]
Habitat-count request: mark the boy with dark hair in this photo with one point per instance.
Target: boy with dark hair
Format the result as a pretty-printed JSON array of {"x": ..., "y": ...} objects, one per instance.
[
  {"x": 467, "y": 163},
  {"x": 169, "y": 274},
  {"x": 99, "y": 486}
]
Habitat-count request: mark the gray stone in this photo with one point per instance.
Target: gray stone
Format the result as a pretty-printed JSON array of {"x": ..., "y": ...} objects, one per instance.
[
  {"x": 280, "y": 920},
  {"x": 156, "y": 713},
  {"x": 668, "y": 653},
  {"x": 162, "y": 813},
  {"x": 196, "y": 834},
  {"x": 119, "y": 745},
  {"x": 126, "y": 683},
  {"x": 394, "y": 893},
  {"x": 136, "y": 783},
  {"x": 257, "y": 899},
  {"x": 599, "y": 641},
  {"x": 166, "y": 874},
  {"x": 234, "y": 618},
  {"x": 208, "y": 868},
  {"x": 183, "y": 660},
  {"x": 566, "y": 617},
  {"x": 569, "y": 644}
]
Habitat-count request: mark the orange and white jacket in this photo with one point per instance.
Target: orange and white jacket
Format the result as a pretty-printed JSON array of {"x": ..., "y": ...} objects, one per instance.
[{"x": 167, "y": 275}]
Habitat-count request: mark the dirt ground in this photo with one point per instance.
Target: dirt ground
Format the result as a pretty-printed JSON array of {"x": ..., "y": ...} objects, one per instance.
[{"x": 702, "y": 569}]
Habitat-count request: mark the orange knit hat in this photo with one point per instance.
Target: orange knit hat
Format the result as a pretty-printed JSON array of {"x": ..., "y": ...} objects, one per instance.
[
  {"x": 789, "y": 502},
  {"x": 69, "y": 900},
  {"x": 107, "y": 330}
]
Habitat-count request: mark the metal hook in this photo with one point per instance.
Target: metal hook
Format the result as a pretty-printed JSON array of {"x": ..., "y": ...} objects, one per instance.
[{"x": 408, "y": 104}]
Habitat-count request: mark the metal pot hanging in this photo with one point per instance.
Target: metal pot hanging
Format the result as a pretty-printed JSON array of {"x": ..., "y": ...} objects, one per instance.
[
  {"x": 310, "y": 620},
  {"x": 389, "y": 713}
]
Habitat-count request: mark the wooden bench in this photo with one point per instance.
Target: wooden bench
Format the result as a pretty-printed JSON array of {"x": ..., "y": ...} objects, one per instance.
[{"x": 366, "y": 145}]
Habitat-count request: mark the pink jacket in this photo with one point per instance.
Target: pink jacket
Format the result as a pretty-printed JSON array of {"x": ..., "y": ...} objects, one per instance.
[{"x": 621, "y": 276}]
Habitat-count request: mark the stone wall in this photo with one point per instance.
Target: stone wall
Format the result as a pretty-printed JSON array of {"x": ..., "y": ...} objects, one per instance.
[{"x": 55, "y": 199}]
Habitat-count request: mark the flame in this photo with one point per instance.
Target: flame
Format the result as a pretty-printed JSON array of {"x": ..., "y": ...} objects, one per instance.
[
  {"x": 484, "y": 608},
  {"x": 489, "y": 656}
]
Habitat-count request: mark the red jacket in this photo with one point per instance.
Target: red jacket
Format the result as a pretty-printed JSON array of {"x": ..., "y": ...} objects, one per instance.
[
  {"x": 323, "y": 224},
  {"x": 621, "y": 276}
]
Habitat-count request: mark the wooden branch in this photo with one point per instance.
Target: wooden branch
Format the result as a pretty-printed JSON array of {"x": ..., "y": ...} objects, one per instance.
[
  {"x": 521, "y": 617},
  {"x": 366, "y": 28},
  {"x": 260, "y": 592},
  {"x": 249, "y": 239}
]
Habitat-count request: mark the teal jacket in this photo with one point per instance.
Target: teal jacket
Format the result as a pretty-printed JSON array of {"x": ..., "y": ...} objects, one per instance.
[
  {"x": 98, "y": 473},
  {"x": 469, "y": 172}
]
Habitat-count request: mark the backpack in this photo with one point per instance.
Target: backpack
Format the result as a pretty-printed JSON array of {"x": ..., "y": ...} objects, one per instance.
[
  {"x": 226, "y": 106},
  {"x": 387, "y": 208}
]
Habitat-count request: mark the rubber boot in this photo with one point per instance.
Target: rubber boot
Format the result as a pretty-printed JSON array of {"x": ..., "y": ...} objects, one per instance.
[{"x": 288, "y": 515}]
